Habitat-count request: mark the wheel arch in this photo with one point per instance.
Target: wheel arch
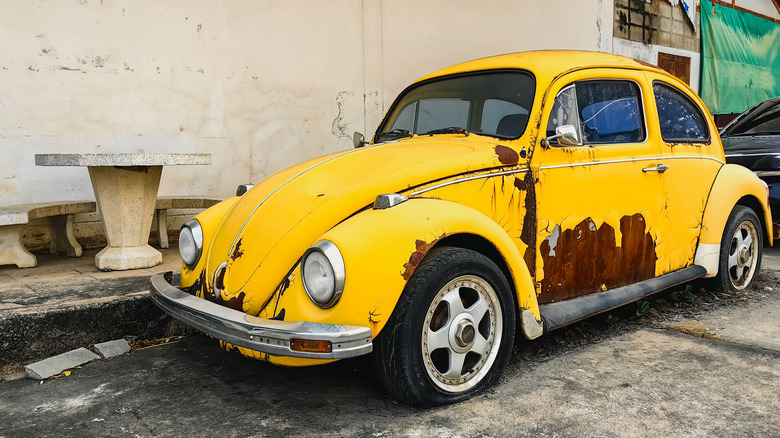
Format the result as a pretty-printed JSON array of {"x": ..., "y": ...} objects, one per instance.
[
  {"x": 483, "y": 246},
  {"x": 754, "y": 204}
]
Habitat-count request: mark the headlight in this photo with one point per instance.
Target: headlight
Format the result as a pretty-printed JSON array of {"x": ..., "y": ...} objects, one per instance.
[
  {"x": 323, "y": 273},
  {"x": 191, "y": 243}
]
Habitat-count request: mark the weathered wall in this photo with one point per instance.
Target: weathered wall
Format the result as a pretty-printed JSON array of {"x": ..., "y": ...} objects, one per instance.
[
  {"x": 260, "y": 85},
  {"x": 656, "y": 23}
]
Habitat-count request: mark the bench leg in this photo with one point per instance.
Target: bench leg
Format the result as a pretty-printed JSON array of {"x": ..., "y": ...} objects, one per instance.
[
  {"x": 162, "y": 227},
  {"x": 62, "y": 240},
  {"x": 12, "y": 252}
]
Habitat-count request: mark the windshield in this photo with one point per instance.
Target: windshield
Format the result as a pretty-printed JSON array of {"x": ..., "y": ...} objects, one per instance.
[{"x": 488, "y": 103}]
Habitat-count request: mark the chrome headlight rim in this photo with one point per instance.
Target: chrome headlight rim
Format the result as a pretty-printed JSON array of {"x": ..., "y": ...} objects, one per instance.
[
  {"x": 334, "y": 257},
  {"x": 197, "y": 237}
]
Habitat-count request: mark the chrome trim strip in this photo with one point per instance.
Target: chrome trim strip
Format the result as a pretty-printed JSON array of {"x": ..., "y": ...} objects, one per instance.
[
  {"x": 263, "y": 335},
  {"x": 232, "y": 246},
  {"x": 633, "y": 160},
  {"x": 592, "y": 163},
  {"x": 470, "y": 178}
]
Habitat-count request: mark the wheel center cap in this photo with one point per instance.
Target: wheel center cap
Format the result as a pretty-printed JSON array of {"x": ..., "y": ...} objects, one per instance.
[
  {"x": 744, "y": 256},
  {"x": 464, "y": 333}
]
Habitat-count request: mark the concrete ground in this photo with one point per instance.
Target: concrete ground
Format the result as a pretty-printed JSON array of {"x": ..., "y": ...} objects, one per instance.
[{"x": 710, "y": 368}]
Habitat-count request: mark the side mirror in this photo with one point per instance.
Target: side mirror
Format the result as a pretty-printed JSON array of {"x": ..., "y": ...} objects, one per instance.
[
  {"x": 357, "y": 140},
  {"x": 565, "y": 135}
]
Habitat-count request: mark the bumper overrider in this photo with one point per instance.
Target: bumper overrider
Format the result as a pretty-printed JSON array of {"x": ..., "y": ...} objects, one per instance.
[{"x": 303, "y": 339}]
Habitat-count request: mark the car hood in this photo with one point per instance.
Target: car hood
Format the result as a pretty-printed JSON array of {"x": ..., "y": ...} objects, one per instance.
[
  {"x": 747, "y": 120},
  {"x": 266, "y": 232}
]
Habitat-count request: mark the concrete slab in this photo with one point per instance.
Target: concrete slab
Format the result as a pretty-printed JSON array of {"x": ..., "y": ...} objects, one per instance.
[
  {"x": 55, "y": 365},
  {"x": 113, "y": 348}
]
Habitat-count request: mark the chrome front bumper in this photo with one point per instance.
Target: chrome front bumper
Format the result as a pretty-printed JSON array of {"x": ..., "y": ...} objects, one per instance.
[{"x": 263, "y": 335}]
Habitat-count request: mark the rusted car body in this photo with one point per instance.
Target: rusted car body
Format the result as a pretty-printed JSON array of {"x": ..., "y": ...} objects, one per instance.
[{"x": 527, "y": 190}]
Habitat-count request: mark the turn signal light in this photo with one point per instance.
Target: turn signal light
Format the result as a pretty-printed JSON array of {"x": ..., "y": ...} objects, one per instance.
[{"x": 310, "y": 346}]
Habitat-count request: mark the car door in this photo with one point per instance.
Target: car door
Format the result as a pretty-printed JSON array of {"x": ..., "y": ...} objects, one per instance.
[
  {"x": 693, "y": 156},
  {"x": 599, "y": 203}
]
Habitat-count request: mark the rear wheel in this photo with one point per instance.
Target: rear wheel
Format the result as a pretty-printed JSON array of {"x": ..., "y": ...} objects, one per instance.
[
  {"x": 451, "y": 333},
  {"x": 740, "y": 250}
]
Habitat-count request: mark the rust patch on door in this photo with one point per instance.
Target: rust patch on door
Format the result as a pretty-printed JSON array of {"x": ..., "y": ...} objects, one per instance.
[
  {"x": 586, "y": 259},
  {"x": 506, "y": 155},
  {"x": 422, "y": 248},
  {"x": 237, "y": 253},
  {"x": 528, "y": 233}
]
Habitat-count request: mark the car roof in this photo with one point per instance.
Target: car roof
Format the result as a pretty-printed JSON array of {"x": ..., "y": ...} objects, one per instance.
[{"x": 550, "y": 62}]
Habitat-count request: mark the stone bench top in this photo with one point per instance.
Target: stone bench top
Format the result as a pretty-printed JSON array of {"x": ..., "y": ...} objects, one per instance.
[
  {"x": 24, "y": 213},
  {"x": 121, "y": 159},
  {"x": 176, "y": 202}
]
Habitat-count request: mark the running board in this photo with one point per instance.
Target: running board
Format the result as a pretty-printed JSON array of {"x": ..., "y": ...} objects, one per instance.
[{"x": 559, "y": 314}]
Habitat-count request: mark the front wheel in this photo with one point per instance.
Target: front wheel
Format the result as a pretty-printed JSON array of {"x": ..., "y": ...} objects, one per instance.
[
  {"x": 740, "y": 251},
  {"x": 451, "y": 333}
]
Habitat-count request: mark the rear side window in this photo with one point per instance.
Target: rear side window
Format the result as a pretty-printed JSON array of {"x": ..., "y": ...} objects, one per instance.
[
  {"x": 602, "y": 112},
  {"x": 680, "y": 119}
]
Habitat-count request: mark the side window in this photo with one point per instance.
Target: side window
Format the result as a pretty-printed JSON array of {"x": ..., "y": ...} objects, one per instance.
[
  {"x": 680, "y": 119},
  {"x": 564, "y": 111},
  {"x": 610, "y": 112}
]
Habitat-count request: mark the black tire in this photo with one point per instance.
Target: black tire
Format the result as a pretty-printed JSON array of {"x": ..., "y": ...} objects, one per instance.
[
  {"x": 740, "y": 251},
  {"x": 479, "y": 331}
]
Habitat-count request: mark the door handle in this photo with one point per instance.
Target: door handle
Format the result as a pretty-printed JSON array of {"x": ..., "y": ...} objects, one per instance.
[{"x": 661, "y": 168}]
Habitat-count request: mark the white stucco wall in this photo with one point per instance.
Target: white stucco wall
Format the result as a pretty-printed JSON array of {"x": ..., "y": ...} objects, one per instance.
[
  {"x": 260, "y": 85},
  {"x": 763, "y": 7}
]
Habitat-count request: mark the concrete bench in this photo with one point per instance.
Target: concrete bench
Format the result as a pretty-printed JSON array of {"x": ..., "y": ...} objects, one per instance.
[
  {"x": 176, "y": 202},
  {"x": 13, "y": 219}
]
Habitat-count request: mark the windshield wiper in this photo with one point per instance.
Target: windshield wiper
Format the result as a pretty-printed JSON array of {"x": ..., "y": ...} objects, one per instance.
[
  {"x": 450, "y": 130},
  {"x": 395, "y": 134}
]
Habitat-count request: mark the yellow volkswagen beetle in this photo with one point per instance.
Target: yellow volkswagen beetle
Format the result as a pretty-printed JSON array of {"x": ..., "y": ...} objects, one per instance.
[{"x": 511, "y": 194}]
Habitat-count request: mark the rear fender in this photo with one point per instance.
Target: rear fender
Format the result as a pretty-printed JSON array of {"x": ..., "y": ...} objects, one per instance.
[{"x": 733, "y": 185}]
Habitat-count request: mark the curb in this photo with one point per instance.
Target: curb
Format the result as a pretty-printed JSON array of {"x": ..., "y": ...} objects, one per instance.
[{"x": 30, "y": 337}]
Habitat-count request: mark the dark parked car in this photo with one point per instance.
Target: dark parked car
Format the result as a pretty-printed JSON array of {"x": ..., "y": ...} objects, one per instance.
[{"x": 753, "y": 140}]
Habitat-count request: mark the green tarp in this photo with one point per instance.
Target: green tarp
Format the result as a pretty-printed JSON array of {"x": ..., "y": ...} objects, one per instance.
[{"x": 740, "y": 63}]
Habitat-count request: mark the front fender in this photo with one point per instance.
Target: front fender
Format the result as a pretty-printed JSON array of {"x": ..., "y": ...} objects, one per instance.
[
  {"x": 381, "y": 249},
  {"x": 209, "y": 221}
]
